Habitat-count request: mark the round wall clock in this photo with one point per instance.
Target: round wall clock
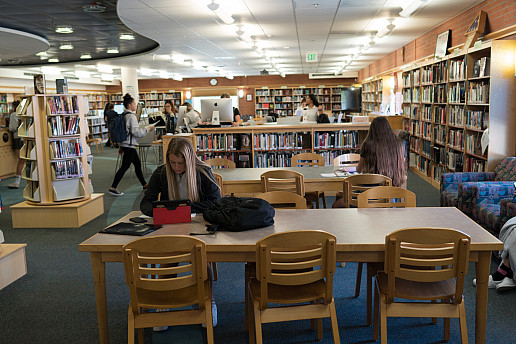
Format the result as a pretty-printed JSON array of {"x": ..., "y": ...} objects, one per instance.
[{"x": 213, "y": 82}]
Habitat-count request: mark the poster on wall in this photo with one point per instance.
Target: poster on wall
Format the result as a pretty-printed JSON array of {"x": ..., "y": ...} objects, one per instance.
[{"x": 441, "y": 46}]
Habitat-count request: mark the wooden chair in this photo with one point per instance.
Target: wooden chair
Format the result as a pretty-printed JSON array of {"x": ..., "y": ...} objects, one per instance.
[
  {"x": 283, "y": 199},
  {"x": 358, "y": 183},
  {"x": 310, "y": 160},
  {"x": 423, "y": 264},
  {"x": 217, "y": 163},
  {"x": 347, "y": 160},
  {"x": 96, "y": 141},
  {"x": 154, "y": 286},
  {"x": 218, "y": 179},
  {"x": 283, "y": 180},
  {"x": 379, "y": 197},
  {"x": 293, "y": 268}
]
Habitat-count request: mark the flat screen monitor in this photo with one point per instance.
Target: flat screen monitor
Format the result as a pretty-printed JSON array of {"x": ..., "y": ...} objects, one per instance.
[
  {"x": 119, "y": 108},
  {"x": 223, "y": 105},
  {"x": 181, "y": 115},
  {"x": 351, "y": 99}
]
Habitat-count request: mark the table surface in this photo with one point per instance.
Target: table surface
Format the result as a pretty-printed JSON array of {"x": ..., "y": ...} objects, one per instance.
[
  {"x": 356, "y": 229},
  {"x": 240, "y": 174}
]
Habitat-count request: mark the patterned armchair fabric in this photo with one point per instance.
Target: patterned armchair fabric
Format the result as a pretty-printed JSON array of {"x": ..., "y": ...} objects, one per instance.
[
  {"x": 507, "y": 210},
  {"x": 486, "y": 204},
  {"x": 450, "y": 185},
  {"x": 506, "y": 170}
]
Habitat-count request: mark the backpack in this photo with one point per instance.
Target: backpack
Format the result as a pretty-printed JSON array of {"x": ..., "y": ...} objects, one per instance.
[
  {"x": 238, "y": 214},
  {"x": 117, "y": 128}
]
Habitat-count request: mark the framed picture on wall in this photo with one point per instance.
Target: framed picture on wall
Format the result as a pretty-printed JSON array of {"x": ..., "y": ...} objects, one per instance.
[
  {"x": 441, "y": 45},
  {"x": 249, "y": 98}
]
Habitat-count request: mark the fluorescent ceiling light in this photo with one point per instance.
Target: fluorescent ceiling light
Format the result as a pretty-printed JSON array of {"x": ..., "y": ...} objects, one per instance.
[
  {"x": 104, "y": 68},
  {"x": 177, "y": 77},
  {"x": 112, "y": 50},
  {"x": 178, "y": 58},
  {"x": 50, "y": 70},
  {"x": 223, "y": 15},
  {"x": 386, "y": 30},
  {"x": 413, "y": 7},
  {"x": 127, "y": 36},
  {"x": 82, "y": 74},
  {"x": 42, "y": 53},
  {"x": 107, "y": 77},
  {"x": 53, "y": 60},
  {"x": 66, "y": 46},
  {"x": 64, "y": 29},
  {"x": 230, "y": 76},
  {"x": 164, "y": 74},
  {"x": 146, "y": 72},
  {"x": 85, "y": 56}
]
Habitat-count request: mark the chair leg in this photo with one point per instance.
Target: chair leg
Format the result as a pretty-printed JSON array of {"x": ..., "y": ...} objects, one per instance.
[
  {"x": 250, "y": 320},
  {"x": 376, "y": 312},
  {"x": 257, "y": 322},
  {"x": 359, "y": 279},
  {"x": 334, "y": 323},
  {"x": 383, "y": 319},
  {"x": 130, "y": 327},
  {"x": 372, "y": 269},
  {"x": 246, "y": 297},
  {"x": 463, "y": 325},
  {"x": 209, "y": 321},
  {"x": 446, "y": 330},
  {"x": 214, "y": 271},
  {"x": 323, "y": 197},
  {"x": 140, "y": 336}
]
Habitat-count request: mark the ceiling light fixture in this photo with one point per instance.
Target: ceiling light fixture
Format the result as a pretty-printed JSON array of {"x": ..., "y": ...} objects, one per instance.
[
  {"x": 104, "y": 68},
  {"x": 82, "y": 74},
  {"x": 126, "y": 36},
  {"x": 107, "y": 77},
  {"x": 413, "y": 7},
  {"x": 240, "y": 93},
  {"x": 188, "y": 94},
  {"x": 66, "y": 46},
  {"x": 94, "y": 7},
  {"x": 223, "y": 15},
  {"x": 85, "y": 56},
  {"x": 387, "y": 30},
  {"x": 64, "y": 29},
  {"x": 177, "y": 77},
  {"x": 53, "y": 59},
  {"x": 112, "y": 50}
]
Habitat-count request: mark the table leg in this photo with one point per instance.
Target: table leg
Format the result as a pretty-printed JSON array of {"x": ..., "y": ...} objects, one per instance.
[
  {"x": 482, "y": 272},
  {"x": 99, "y": 277}
]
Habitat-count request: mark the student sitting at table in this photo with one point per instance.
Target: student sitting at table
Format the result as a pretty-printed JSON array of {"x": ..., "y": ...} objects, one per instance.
[
  {"x": 183, "y": 176},
  {"x": 382, "y": 152}
]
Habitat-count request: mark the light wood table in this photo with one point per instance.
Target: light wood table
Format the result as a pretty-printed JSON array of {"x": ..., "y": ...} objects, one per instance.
[
  {"x": 247, "y": 180},
  {"x": 360, "y": 237}
]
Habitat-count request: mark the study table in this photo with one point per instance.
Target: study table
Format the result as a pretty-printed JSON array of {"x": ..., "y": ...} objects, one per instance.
[
  {"x": 247, "y": 180},
  {"x": 360, "y": 237}
]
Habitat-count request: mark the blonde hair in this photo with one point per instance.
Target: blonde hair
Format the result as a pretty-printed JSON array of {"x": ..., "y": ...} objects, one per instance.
[
  {"x": 184, "y": 148},
  {"x": 384, "y": 152}
]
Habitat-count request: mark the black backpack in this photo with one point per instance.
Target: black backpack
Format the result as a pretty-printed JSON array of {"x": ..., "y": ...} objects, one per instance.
[
  {"x": 238, "y": 214},
  {"x": 117, "y": 128}
]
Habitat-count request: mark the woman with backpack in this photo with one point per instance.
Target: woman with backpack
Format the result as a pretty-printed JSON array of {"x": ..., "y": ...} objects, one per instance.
[{"x": 128, "y": 146}]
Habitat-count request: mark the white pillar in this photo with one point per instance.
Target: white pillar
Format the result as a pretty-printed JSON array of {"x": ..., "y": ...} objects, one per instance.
[{"x": 130, "y": 82}]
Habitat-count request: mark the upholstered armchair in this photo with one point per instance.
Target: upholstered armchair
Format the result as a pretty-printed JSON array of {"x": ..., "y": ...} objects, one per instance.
[{"x": 487, "y": 202}]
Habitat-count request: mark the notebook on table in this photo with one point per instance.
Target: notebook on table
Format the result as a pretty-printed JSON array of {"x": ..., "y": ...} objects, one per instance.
[
  {"x": 129, "y": 228},
  {"x": 165, "y": 212}
]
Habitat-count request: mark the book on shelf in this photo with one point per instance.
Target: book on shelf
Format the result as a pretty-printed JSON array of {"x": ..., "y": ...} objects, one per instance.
[
  {"x": 61, "y": 86},
  {"x": 485, "y": 66},
  {"x": 39, "y": 84}
]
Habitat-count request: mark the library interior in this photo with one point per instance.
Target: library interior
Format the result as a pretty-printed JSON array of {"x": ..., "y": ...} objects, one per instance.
[{"x": 255, "y": 163}]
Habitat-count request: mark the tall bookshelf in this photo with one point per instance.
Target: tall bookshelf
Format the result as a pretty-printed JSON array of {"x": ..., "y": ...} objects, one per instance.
[
  {"x": 96, "y": 102},
  {"x": 285, "y": 100},
  {"x": 449, "y": 104},
  {"x": 372, "y": 96},
  {"x": 274, "y": 145},
  {"x": 157, "y": 99},
  {"x": 54, "y": 149}
]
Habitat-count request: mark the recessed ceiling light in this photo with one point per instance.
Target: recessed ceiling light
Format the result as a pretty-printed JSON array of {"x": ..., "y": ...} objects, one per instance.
[
  {"x": 85, "y": 56},
  {"x": 64, "y": 29},
  {"x": 94, "y": 7},
  {"x": 43, "y": 57},
  {"x": 127, "y": 36},
  {"x": 53, "y": 59},
  {"x": 112, "y": 51},
  {"x": 66, "y": 46}
]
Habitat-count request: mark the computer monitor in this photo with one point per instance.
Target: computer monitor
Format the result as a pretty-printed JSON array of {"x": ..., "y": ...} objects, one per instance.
[
  {"x": 119, "y": 108},
  {"x": 223, "y": 105},
  {"x": 181, "y": 115}
]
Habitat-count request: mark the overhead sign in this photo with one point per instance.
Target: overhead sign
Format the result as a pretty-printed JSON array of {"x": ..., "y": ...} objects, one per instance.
[{"x": 311, "y": 57}]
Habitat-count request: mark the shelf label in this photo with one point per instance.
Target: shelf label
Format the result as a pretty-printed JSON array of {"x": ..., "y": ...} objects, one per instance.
[
  {"x": 171, "y": 91},
  {"x": 322, "y": 86},
  {"x": 477, "y": 45},
  {"x": 302, "y": 86},
  {"x": 456, "y": 52},
  {"x": 283, "y": 87},
  {"x": 265, "y": 87},
  {"x": 311, "y": 57},
  {"x": 153, "y": 91}
]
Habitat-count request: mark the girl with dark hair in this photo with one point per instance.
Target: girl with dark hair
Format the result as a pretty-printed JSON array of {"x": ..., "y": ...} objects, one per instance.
[
  {"x": 128, "y": 147},
  {"x": 17, "y": 144},
  {"x": 310, "y": 112},
  {"x": 109, "y": 114},
  {"x": 383, "y": 152}
]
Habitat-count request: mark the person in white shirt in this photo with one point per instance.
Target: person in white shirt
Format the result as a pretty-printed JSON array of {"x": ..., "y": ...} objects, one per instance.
[
  {"x": 310, "y": 112},
  {"x": 193, "y": 117}
]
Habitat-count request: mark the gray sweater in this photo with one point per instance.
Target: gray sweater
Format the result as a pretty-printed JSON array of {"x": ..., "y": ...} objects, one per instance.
[{"x": 134, "y": 131}]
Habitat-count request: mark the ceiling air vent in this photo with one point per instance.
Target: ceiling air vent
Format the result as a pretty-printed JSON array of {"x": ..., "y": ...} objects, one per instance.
[{"x": 332, "y": 75}]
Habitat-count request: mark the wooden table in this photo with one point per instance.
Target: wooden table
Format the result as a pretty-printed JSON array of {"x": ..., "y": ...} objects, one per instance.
[
  {"x": 360, "y": 238},
  {"x": 247, "y": 180}
]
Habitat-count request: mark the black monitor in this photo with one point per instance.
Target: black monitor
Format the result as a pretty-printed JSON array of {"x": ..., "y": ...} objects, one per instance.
[
  {"x": 223, "y": 105},
  {"x": 351, "y": 99}
]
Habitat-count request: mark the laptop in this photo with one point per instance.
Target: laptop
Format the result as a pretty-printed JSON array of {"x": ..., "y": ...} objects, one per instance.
[{"x": 166, "y": 212}]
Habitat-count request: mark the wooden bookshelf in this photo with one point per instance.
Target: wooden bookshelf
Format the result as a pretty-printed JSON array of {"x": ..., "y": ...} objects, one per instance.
[{"x": 449, "y": 103}]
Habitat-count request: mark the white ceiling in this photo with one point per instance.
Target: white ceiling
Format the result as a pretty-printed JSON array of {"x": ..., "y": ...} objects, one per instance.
[{"x": 284, "y": 30}]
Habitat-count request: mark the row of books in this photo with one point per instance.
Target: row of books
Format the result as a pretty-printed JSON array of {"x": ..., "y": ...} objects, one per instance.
[
  {"x": 475, "y": 165},
  {"x": 482, "y": 67},
  {"x": 439, "y": 154},
  {"x": 457, "y": 93},
  {"x": 477, "y": 119},
  {"x": 437, "y": 172},
  {"x": 63, "y": 125},
  {"x": 440, "y": 114},
  {"x": 66, "y": 169},
  {"x": 458, "y": 69},
  {"x": 478, "y": 92},
  {"x": 456, "y": 139},
  {"x": 440, "y": 93},
  {"x": 29, "y": 168},
  {"x": 223, "y": 142},
  {"x": 456, "y": 116},
  {"x": 426, "y": 114},
  {"x": 240, "y": 159},
  {"x": 274, "y": 159},
  {"x": 454, "y": 161},
  {"x": 63, "y": 104},
  {"x": 428, "y": 94},
  {"x": 426, "y": 148},
  {"x": 426, "y": 131},
  {"x": 270, "y": 141},
  {"x": 65, "y": 149},
  {"x": 440, "y": 134},
  {"x": 473, "y": 144},
  {"x": 336, "y": 139},
  {"x": 416, "y": 77},
  {"x": 440, "y": 72},
  {"x": 427, "y": 75},
  {"x": 414, "y": 144}
]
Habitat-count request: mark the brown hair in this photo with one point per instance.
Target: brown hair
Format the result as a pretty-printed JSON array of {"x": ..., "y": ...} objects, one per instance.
[
  {"x": 183, "y": 147},
  {"x": 384, "y": 152},
  {"x": 172, "y": 106}
]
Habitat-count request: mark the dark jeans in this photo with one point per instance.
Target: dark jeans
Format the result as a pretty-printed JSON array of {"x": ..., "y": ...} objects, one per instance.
[{"x": 129, "y": 157}]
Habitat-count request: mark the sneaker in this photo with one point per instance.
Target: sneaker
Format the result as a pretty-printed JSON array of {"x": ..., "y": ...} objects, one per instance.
[
  {"x": 491, "y": 284},
  {"x": 115, "y": 192},
  {"x": 507, "y": 284},
  {"x": 160, "y": 328},
  {"x": 14, "y": 185},
  {"x": 213, "y": 314}
]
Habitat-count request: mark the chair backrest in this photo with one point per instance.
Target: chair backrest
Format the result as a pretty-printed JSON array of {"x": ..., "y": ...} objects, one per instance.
[
  {"x": 347, "y": 160},
  {"x": 307, "y": 159},
  {"x": 427, "y": 255},
  {"x": 386, "y": 197},
  {"x": 506, "y": 169},
  {"x": 165, "y": 263},
  {"x": 295, "y": 258},
  {"x": 283, "y": 199},
  {"x": 220, "y": 163},
  {"x": 283, "y": 180},
  {"x": 356, "y": 184},
  {"x": 218, "y": 179}
]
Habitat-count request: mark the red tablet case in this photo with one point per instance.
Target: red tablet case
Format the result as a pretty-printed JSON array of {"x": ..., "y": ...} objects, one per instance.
[{"x": 165, "y": 212}]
